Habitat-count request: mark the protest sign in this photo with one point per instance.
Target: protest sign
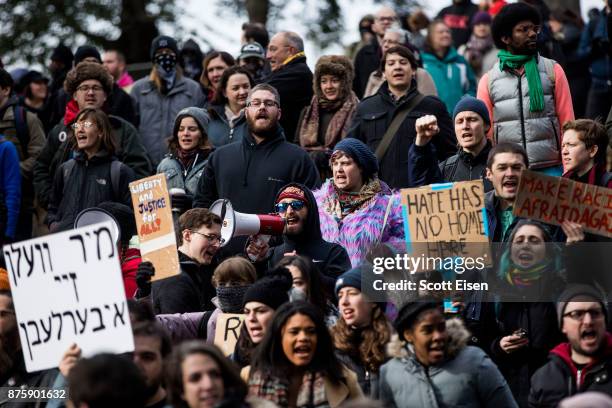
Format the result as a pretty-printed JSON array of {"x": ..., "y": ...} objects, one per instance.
[
  {"x": 227, "y": 331},
  {"x": 155, "y": 225},
  {"x": 555, "y": 199},
  {"x": 67, "y": 288},
  {"x": 446, "y": 220}
]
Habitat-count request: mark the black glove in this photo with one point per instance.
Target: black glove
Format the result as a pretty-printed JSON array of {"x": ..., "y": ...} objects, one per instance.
[
  {"x": 181, "y": 202},
  {"x": 144, "y": 273}
]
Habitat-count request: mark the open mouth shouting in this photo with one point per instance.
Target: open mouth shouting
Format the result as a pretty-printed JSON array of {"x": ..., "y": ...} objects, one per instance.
[
  {"x": 303, "y": 353},
  {"x": 510, "y": 184}
]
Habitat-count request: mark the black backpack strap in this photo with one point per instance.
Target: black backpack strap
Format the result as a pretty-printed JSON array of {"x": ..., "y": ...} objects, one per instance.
[
  {"x": 68, "y": 170},
  {"x": 21, "y": 127},
  {"x": 203, "y": 325}
]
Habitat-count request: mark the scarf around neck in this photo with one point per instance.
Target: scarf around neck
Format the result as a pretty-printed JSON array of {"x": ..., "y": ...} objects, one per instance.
[
  {"x": 512, "y": 61},
  {"x": 187, "y": 157},
  {"x": 523, "y": 277},
  {"x": 276, "y": 390},
  {"x": 338, "y": 126},
  {"x": 343, "y": 203}
]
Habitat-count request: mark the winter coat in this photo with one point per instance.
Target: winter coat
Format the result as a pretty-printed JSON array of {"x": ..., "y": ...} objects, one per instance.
[
  {"x": 366, "y": 62},
  {"x": 90, "y": 184},
  {"x": 452, "y": 75},
  {"x": 293, "y": 83},
  {"x": 220, "y": 131},
  {"x": 189, "y": 291},
  {"x": 595, "y": 46},
  {"x": 183, "y": 326},
  {"x": 156, "y": 112},
  {"x": 560, "y": 378},
  {"x": 488, "y": 59},
  {"x": 458, "y": 17},
  {"x": 368, "y": 381},
  {"x": 130, "y": 151},
  {"x": 375, "y": 114},
  {"x": 250, "y": 174},
  {"x": 492, "y": 207},
  {"x": 18, "y": 378},
  {"x": 10, "y": 188},
  {"x": 467, "y": 378},
  {"x": 424, "y": 169},
  {"x": 331, "y": 259},
  {"x": 360, "y": 230},
  {"x": 537, "y": 132},
  {"x": 336, "y": 394},
  {"x": 130, "y": 259},
  {"x": 179, "y": 177}
]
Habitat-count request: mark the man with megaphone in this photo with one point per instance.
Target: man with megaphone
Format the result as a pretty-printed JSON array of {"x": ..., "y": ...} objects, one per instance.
[{"x": 296, "y": 204}]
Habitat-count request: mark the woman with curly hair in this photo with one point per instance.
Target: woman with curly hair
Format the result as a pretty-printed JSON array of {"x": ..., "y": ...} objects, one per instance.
[{"x": 361, "y": 333}]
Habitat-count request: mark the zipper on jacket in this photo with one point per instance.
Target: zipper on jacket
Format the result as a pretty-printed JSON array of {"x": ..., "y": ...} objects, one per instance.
[
  {"x": 578, "y": 378},
  {"x": 520, "y": 90}
]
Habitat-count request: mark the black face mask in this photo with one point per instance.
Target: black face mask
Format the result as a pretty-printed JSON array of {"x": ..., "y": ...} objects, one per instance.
[{"x": 166, "y": 61}]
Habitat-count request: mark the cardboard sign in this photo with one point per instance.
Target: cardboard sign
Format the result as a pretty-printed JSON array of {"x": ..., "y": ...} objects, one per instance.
[
  {"x": 67, "y": 288},
  {"x": 555, "y": 199},
  {"x": 446, "y": 220},
  {"x": 227, "y": 331},
  {"x": 155, "y": 225}
]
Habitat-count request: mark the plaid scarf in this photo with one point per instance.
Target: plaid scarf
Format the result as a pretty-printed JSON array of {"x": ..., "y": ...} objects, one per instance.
[
  {"x": 338, "y": 126},
  {"x": 343, "y": 203},
  {"x": 276, "y": 390},
  {"x": 522, "y": 277}
]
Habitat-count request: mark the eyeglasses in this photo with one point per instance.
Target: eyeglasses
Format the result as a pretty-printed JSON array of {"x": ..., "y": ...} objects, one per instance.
[
  {"x": 84, "y": 125},
  {"x": 389, "y": 19},
  {"x": 296, "y": 205},
  {"x": 211, "y": 237},
  {"x": 578, "y": 315},
  {"x": 86, "y": 88},
  {"x": 527, "y": 28},
  {"x": 256, "y": 103}
]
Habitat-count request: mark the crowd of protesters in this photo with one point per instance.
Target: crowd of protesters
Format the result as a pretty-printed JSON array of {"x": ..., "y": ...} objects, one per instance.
[{"x": 481, "y": 92}]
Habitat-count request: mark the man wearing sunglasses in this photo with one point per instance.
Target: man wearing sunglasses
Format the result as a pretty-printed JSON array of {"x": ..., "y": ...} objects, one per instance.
[
  {"x": 298, "y": 206},
  {"x": 584, "y": 362}
]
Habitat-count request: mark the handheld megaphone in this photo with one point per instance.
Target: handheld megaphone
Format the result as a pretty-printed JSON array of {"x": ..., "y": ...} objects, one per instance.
[
  {"x": 94, "y": 215},
  {"x": 234, "y": 223}
]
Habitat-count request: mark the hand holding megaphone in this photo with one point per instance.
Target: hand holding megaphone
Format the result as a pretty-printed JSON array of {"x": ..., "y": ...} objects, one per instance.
[
  {"x": 234, "y": 223},
  {"x": 180, "y": 200},
  {"x": 257, "y": 247}
]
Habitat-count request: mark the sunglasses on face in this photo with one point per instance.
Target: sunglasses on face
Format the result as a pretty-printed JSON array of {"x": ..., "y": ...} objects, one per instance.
[{"x": 296, "y": 205}]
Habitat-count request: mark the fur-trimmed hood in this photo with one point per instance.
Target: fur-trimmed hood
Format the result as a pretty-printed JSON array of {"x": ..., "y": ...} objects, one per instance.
[
  {"x": 336, "y": 65},
  {"x": 458, "y": 337}
]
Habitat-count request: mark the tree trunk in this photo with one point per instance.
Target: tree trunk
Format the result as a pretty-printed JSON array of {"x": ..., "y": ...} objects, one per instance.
[
  {"x": 137, "y": 31},
  {"x": 573, "y": 5},
  {"x": 258, "y": 11}
]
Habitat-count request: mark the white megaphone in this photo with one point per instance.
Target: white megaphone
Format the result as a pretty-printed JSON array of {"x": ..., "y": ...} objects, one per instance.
[{"x": 234, "y": 223}]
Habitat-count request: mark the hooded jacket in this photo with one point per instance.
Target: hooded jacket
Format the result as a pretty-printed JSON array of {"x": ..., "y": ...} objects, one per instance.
[
  {"x": 560, "y": 377},
  {"x": 220, "y": 132},
  {"x": 250, "y": 174},
  {"x": 467, "y": 378},
  {"x": 189, "y": 291},
  {"x": 156, "y": 112},
  {"x": 423, "y": 167},
  {"x": 452, "y": 75},
  {"x": 293, "y": 83},
  {"x": 90, "y": 184},
  {"x": 130, "y": 151},
  {"x": 331, "y": 259},
  {"x": 375, "y": 114}
]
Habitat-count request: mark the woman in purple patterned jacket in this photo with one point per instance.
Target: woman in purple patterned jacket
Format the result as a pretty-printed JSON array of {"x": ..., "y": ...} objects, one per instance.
[{"x": 356, "y": 209}]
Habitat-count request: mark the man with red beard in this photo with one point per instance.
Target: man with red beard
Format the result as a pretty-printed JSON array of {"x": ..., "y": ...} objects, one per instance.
[
  {"x": 12, "y": 365},
  {"x": 250, "y": 173},
  {"x": 584, "y": 362}
]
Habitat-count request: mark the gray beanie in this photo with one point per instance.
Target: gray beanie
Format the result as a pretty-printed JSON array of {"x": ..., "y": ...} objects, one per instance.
[
  {"x": 574, "y": 291},
  {"x": 198, "y": 114}
]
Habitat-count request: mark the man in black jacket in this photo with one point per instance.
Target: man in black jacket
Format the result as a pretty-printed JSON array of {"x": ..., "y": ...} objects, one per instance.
[
  {"x": 192, "y": 289},
  {"x": 458, "y": 17},
  {"x": 585, "y": 361},
  {"x": 376, "y": 113},
  {"x": 290, "y": 76},
  {"x": 367, "y": 59},
  {"x": 471, "y": 119},
  {"x": 298, "y": 206},
  {"x": 89, "y": 84},
  {"x": 250, "y": 173}
]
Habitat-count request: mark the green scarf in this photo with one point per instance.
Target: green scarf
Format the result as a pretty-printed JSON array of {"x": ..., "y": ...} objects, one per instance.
[{"x": 536, "y": 94}]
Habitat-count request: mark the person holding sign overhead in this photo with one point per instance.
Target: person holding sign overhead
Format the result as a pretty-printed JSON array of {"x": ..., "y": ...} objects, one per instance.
[
  {"x": 94, "y": 175},
  {"x": 471, "y": 120}
]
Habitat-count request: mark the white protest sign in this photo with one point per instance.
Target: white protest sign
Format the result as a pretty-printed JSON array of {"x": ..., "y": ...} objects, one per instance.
[{"x": 67, "y": 288}]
